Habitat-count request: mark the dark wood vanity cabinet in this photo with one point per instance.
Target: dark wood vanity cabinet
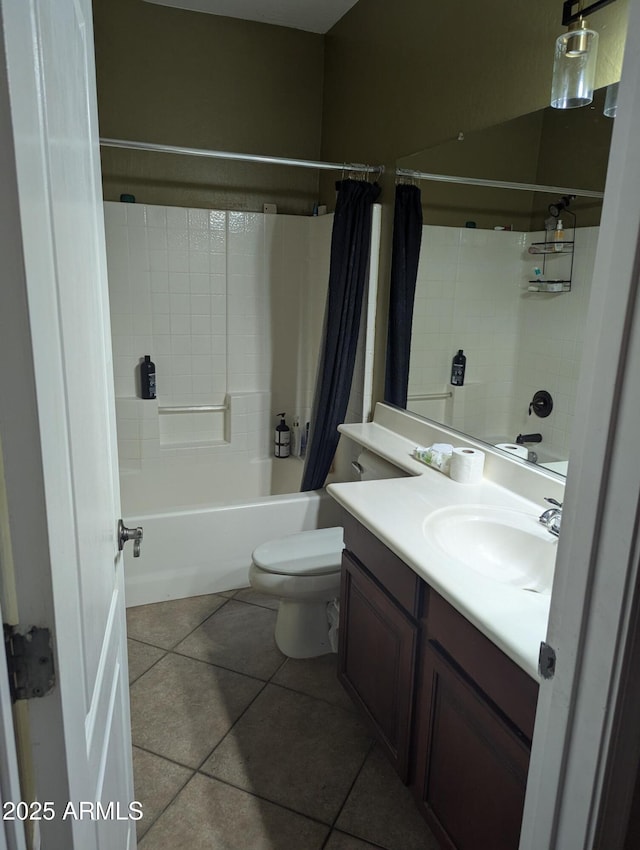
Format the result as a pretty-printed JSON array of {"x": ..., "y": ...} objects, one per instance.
[
  {"x": 472, "y": 735},
  {"x": 378, "y": 644},
  {"x": 452, "y": 711}
]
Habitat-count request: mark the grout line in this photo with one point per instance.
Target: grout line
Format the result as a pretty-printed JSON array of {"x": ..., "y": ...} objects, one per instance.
[
  {"x": 184, "y": 637},
  {"x": 166, "y": 758},
  {"x": 265, "y": 799},
  {"x": 146, "y": 643},
  {"x": 313, "y": 696},
  {"x": 218, "y": 666},
  {"x": 348, "y": 794},
  {"x": 365, "y": 841},
  {"x": 233, "y": 725},
  {"x": 202, "y": 622},
  {"x": 179, "y": 790},
  {"x": 137, "y": 678}
]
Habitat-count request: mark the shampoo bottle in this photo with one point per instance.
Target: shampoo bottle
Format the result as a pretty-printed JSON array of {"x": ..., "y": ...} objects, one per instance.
[
  {"x": 282, "y": 438},
  {"x": 558, "y": 236},
  {"x": 295, "y": 437},
  {"x": 147, "y": 378},
  {"x": 458, "y": 366}
]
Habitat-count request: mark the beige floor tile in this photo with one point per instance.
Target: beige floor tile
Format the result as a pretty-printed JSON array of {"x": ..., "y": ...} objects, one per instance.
[
  {"x": 141, "y": 656},
  {"x": 181, "y": 708},
  {"x": 381, "y": 809},
  {"x": 247, "y": 594},
  {"x": 156, "y": 782},
  {"x": 294, "y": 750},
  {"x": 316, "y": 677},
  {"x": 164, "y": 624},
  {"x": 238, "y": 636},
  {"x": 340, "y": 841},
  {"x": 209, "y": 815}
]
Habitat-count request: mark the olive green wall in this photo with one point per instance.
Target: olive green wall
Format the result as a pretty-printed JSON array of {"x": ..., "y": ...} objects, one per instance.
[
  {"x": 404, "y": 76},
  {"x": 195, "y": 80}
]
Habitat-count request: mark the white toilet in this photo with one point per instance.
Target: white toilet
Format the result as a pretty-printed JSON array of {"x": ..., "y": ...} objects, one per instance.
[{"x": 303, "y": 571}]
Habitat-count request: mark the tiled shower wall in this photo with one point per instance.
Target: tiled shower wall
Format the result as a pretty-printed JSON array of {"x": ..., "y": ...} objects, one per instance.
[
  {"x": 230, "y": 307},
  {"x": 472, "y": 294}
]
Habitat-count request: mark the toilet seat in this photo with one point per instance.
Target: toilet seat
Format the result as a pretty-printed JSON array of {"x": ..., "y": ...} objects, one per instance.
[{"x": 307, "y": 553}]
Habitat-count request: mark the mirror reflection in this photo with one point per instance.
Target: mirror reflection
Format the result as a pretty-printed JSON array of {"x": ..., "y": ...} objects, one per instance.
[{"x": 505, "y": 276}]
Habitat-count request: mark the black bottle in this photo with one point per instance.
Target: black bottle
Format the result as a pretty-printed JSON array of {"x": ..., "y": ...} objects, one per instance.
[
  {"x": 458, "y": 366},
  {"x": 147, "y": 378}
]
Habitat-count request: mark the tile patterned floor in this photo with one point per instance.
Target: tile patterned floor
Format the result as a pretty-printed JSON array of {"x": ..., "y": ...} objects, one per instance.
[{"x": 238, "y": 748}]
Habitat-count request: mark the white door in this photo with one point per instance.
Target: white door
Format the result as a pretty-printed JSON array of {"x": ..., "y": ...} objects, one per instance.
[{"x": 57, "y": 428}]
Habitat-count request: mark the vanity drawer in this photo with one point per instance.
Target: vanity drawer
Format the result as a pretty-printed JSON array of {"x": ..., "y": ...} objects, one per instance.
[
  {"x": 398, "y": 580},
  {"x": 501, "y": 680}
]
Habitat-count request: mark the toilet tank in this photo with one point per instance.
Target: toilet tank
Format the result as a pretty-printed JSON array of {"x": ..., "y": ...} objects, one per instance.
[{"x": 371, "y": 467}]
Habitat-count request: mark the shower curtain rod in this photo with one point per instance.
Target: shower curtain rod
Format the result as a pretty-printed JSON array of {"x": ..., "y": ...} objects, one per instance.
[
  {"x": 497, "y": 184},
  {"x": 243, "y": 157}
]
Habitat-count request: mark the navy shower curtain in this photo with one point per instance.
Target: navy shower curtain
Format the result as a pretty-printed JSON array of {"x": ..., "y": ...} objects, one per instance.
[
  {"x": 350, "y": 243},
  {"x": 407, "y": 236}
]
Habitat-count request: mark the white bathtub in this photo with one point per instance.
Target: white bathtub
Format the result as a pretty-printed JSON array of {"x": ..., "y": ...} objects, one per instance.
[{"x": 201, "y": 524}]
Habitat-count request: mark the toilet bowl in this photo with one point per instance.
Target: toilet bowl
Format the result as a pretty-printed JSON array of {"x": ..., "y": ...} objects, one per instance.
[{"x": 303, "y": 571}]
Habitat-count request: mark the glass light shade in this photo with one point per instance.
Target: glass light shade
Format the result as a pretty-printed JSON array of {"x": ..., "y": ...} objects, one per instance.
[
  {"x": 611, "y": 101},
  {"x": 574, "y": 67}
]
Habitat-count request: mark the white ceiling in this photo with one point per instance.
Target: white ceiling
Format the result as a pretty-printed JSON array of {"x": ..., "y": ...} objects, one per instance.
[{"x": 311, "y": 15}]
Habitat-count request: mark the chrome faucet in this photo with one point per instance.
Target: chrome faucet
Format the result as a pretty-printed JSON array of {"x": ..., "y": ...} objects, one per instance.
[{"x": 552, "y": 517}]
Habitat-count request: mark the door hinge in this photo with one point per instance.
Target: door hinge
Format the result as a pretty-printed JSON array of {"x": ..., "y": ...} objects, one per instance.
[
  {"x": 547, "y": 661},
  {"x": 29, "y": 660}
]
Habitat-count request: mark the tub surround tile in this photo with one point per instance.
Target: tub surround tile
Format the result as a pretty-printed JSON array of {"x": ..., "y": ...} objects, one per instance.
[
  {"x": 306, "y": 738},
  {"x": 141, "y": 657},
  {"x": 156, "y": 782},
  {"x": 171, "y": 262},
  {"x": 239, "y": 637},
  {"x": 381, "y": 809},
  {"x": 164, "y": 624},
  {"x": 182, "y": 708},
  {"x": 316, "y": 677},
  {"x": 208, "y": 814}
]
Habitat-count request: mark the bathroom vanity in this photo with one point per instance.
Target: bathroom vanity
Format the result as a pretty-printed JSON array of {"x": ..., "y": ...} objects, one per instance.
[
  {"x": 441, "y": 658},
  {"x": 454, "y": 713}
]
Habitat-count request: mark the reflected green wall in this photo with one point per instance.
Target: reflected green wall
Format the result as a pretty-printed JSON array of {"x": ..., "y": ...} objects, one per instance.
[{"x": 404, "y": 76}]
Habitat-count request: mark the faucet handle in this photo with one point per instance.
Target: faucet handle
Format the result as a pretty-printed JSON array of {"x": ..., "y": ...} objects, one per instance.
[{"x": 553, "y": 501}]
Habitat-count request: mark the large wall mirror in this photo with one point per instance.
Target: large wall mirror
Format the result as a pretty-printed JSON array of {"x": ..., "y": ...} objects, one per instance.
[{"x": 488, "y": 284}]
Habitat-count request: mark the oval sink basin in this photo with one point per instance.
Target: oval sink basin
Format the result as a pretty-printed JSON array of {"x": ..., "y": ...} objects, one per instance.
[{"x": 506, "y": 545}]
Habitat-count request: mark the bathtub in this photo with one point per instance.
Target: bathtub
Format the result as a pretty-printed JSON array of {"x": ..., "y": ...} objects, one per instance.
[
  {"x": 201, "y": 523},
  {"x": 544, "y": 458}
]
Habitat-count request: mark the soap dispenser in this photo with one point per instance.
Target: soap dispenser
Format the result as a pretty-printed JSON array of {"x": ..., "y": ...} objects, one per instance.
[{"x": 282, "y": 438}]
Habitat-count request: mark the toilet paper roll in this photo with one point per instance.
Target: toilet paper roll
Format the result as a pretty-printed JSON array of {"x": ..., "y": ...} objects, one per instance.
[
  {"x": 466, "y": 466},
  {"x": 514, "y": 449}
]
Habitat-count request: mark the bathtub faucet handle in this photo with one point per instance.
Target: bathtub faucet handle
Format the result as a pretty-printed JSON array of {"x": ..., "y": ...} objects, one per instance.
[{"x": 125, "y": 534}]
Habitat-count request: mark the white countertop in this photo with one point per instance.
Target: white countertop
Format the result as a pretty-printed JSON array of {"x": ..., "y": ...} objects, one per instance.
[{"x": 394, "y": 510}]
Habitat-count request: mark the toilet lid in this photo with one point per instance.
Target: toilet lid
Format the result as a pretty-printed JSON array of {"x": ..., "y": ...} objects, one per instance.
[{"x": 308, "y": 553}]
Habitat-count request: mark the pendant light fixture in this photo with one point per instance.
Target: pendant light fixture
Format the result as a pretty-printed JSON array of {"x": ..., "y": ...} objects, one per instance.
[{"x": 574, "y": 66}]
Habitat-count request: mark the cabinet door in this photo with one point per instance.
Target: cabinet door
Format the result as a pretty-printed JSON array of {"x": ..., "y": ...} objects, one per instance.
[
  {"x": 376, "y": 660},
  {"x": 471, "y": 763}
]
